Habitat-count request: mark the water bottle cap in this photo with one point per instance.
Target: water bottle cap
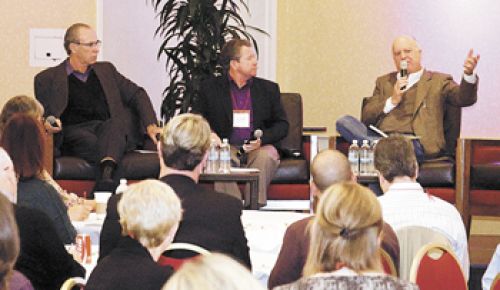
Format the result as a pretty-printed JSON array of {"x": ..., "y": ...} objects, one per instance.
[{"x": 123, "y": 180}]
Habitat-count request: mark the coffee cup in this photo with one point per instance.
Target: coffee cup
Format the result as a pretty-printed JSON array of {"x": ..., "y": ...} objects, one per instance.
[{"x": 101, "y": 200}]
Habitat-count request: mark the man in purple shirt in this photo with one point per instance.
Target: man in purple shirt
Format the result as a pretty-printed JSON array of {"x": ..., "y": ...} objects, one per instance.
[
  {"x": 236, "y": 105},
  {"x": 91, "y": 106}
]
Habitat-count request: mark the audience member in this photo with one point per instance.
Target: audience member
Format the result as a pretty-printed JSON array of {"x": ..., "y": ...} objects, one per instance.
[
  {"x": 345, "y": 243},
  {"x": 493, "y": 270},
  {"x": 212, "y": 272},
  {"x": 237, "y": 104},
  {"x": 94, "y": 103},
  {"x": 10, "y": 279},
  {"x": 328, "y": 167},
  {"x": 149, "y": 215},
  {"x": 23, "y": 139},
  {"x": 78, "y": 208},
  {"x": 42, "y": 258},
  {"x": 405, "y": 203},
  {"x": 211, "y": 219},
  {"x": 414, "y": 103}
]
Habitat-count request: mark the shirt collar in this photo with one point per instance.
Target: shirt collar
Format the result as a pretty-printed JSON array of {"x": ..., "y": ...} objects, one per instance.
[
  {"x": 234, "y": 85},
  {"x": 71, "y": 70}
]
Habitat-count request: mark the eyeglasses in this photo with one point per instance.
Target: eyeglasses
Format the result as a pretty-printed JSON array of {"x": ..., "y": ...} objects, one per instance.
[{"x": 96, "y": 43}]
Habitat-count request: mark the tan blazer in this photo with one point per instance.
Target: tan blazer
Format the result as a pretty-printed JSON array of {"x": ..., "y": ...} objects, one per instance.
[{"x": 433, "y": 90}]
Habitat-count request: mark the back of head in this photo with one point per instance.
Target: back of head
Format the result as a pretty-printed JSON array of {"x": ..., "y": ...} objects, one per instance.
[
  {"x": 345, "y": 230},
  {"x": 9, "y": 241},
  {"x": 184, "y": 141},
  {"x": 212, "y": 272},
  {"x": 395, "y": 157},
  {"x": 231, "y": 51},
  {"x": 20, "y": 104},
  {"x": 148, "y": 211},
  {"x": 24, "y": 140},
  {"x": 330, "y": 167}
]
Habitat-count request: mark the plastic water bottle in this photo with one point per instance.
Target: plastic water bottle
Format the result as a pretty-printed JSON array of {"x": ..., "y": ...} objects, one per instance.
[
  {"x": 372, "y": 158},
  {"x": 364, "y": 159},
  {"x": 353, "y": 157},
  {"x": 122, "y": 186},
  {"x": 213, "y": 158},
  {"x": 225, "y": 157}
]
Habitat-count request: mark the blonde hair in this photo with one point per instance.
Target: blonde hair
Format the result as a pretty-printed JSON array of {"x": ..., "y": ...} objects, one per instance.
[
  {"x": 148, "y": 211},
  {"x": 212, "y": 272},
  {"x": 184, "y": 141},
  {"x": 9, "y": 241},
  {"x": 345, "y": 230},
  {"x": 20, "y": 104}
]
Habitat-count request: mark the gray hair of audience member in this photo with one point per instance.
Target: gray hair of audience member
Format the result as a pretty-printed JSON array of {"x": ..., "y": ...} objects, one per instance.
[
  {"x": 9, "y": 241},
  {"x": 394, "y": 156},
  {"x": 150, "y": 212},
  {"x": 20, "y": 104},
  {"x": 231, "y": 51},
  {"x": 72, "y": 35},
  {"x": 184, "y": 141},
  {"x": 212, "y": 272},
  {"x": 345, "y": 230},
  {"x": 8, "y": 179},
  {"x": 329, "y": 167}
]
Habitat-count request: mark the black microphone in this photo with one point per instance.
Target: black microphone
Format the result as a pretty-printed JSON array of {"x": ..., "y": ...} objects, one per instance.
[
  {"x": 403, "y": 71},
  {"x": 52, "y": 121}
]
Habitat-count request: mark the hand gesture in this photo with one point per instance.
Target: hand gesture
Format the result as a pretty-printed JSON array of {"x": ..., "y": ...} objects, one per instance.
[
  {"x": 470, "y": 62},
  {"x": 252, "y": 145},
  {"x": 53, "y": 129},
  {"x": 153, "y": 131}
]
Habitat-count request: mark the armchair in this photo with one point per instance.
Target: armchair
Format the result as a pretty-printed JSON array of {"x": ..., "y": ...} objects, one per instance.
[
  {"x": 291, "y": 181},
  {"x": 437, "y": 175}
]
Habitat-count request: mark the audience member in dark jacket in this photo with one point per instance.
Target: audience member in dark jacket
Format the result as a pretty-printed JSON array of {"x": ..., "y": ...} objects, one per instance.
[
  {"x": 42, "y": 257},
  {"x": 211, "y": 219},
  {"x": 150, "y": 212}
]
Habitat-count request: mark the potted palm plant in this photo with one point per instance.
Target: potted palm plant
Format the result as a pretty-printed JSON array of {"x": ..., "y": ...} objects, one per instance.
[{"x": 193, "y": 33}]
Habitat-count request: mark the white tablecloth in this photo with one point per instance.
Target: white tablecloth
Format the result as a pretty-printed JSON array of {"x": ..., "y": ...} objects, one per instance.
[{"x": 264, "y": 231}]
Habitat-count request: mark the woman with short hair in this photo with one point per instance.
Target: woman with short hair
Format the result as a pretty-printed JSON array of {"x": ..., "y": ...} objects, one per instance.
[
  {"x": 150, "y": 213},
  {"x": 345, "y": 243}
]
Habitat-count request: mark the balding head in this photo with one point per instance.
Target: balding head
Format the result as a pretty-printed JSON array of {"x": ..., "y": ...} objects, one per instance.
[
  {"x": 406, "y": 48},
  {"x": 8, "y": 180},
  {"x": 330, "y": 167}
]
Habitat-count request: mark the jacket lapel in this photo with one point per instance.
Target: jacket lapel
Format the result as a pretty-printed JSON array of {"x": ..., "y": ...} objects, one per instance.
[
  {"x": 423, "y": 86},
  {"x": 225, "y": 99}
]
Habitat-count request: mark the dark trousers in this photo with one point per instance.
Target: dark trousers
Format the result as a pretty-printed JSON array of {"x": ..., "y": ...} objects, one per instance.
[
  {"x": 95, "y": 140},
  {"x": 352, "y": 129}
]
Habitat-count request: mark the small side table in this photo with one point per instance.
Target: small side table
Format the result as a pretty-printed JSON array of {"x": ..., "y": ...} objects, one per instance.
[{"x": 250, "y": 177}]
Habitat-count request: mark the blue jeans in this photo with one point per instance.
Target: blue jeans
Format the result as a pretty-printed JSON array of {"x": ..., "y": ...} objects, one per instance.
[{"x": 352, "y": 129}]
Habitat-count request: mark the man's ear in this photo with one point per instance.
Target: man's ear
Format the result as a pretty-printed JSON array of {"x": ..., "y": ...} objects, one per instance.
[{"x": 314, "y": 189}]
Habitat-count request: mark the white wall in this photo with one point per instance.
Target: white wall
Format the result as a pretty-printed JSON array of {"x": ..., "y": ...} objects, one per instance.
[{"x": 128, "y": 28}]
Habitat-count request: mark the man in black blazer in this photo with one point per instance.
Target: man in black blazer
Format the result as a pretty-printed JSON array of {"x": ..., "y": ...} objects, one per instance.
[
  {"x": 237, "y": 104},
  {"x": 95, "y": 103},
  {"x": 210, "y": 219}
]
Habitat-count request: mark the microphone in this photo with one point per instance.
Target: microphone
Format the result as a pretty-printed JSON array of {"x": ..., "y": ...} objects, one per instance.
[
  {"x": 52, "y": 121},
  {"x": 257, "y": 134},
  {"x": 403, "y": 71}
]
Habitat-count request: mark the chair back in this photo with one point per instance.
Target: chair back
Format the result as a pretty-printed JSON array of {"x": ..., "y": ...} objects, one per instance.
[
  {"x": 411, "y": 240},
  {"x": 436, "y": 267},
  {"x": 496, "y": 283},
  {"x": 388, "y": 264},
  {"x": 73, "y": 283},
  {"x": 292, "y": 104},
  {"x": 176, "y": 261}
]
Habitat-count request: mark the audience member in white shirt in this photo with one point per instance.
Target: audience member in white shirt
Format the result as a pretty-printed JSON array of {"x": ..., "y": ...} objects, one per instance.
[{"x": 405, "y": 203}]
